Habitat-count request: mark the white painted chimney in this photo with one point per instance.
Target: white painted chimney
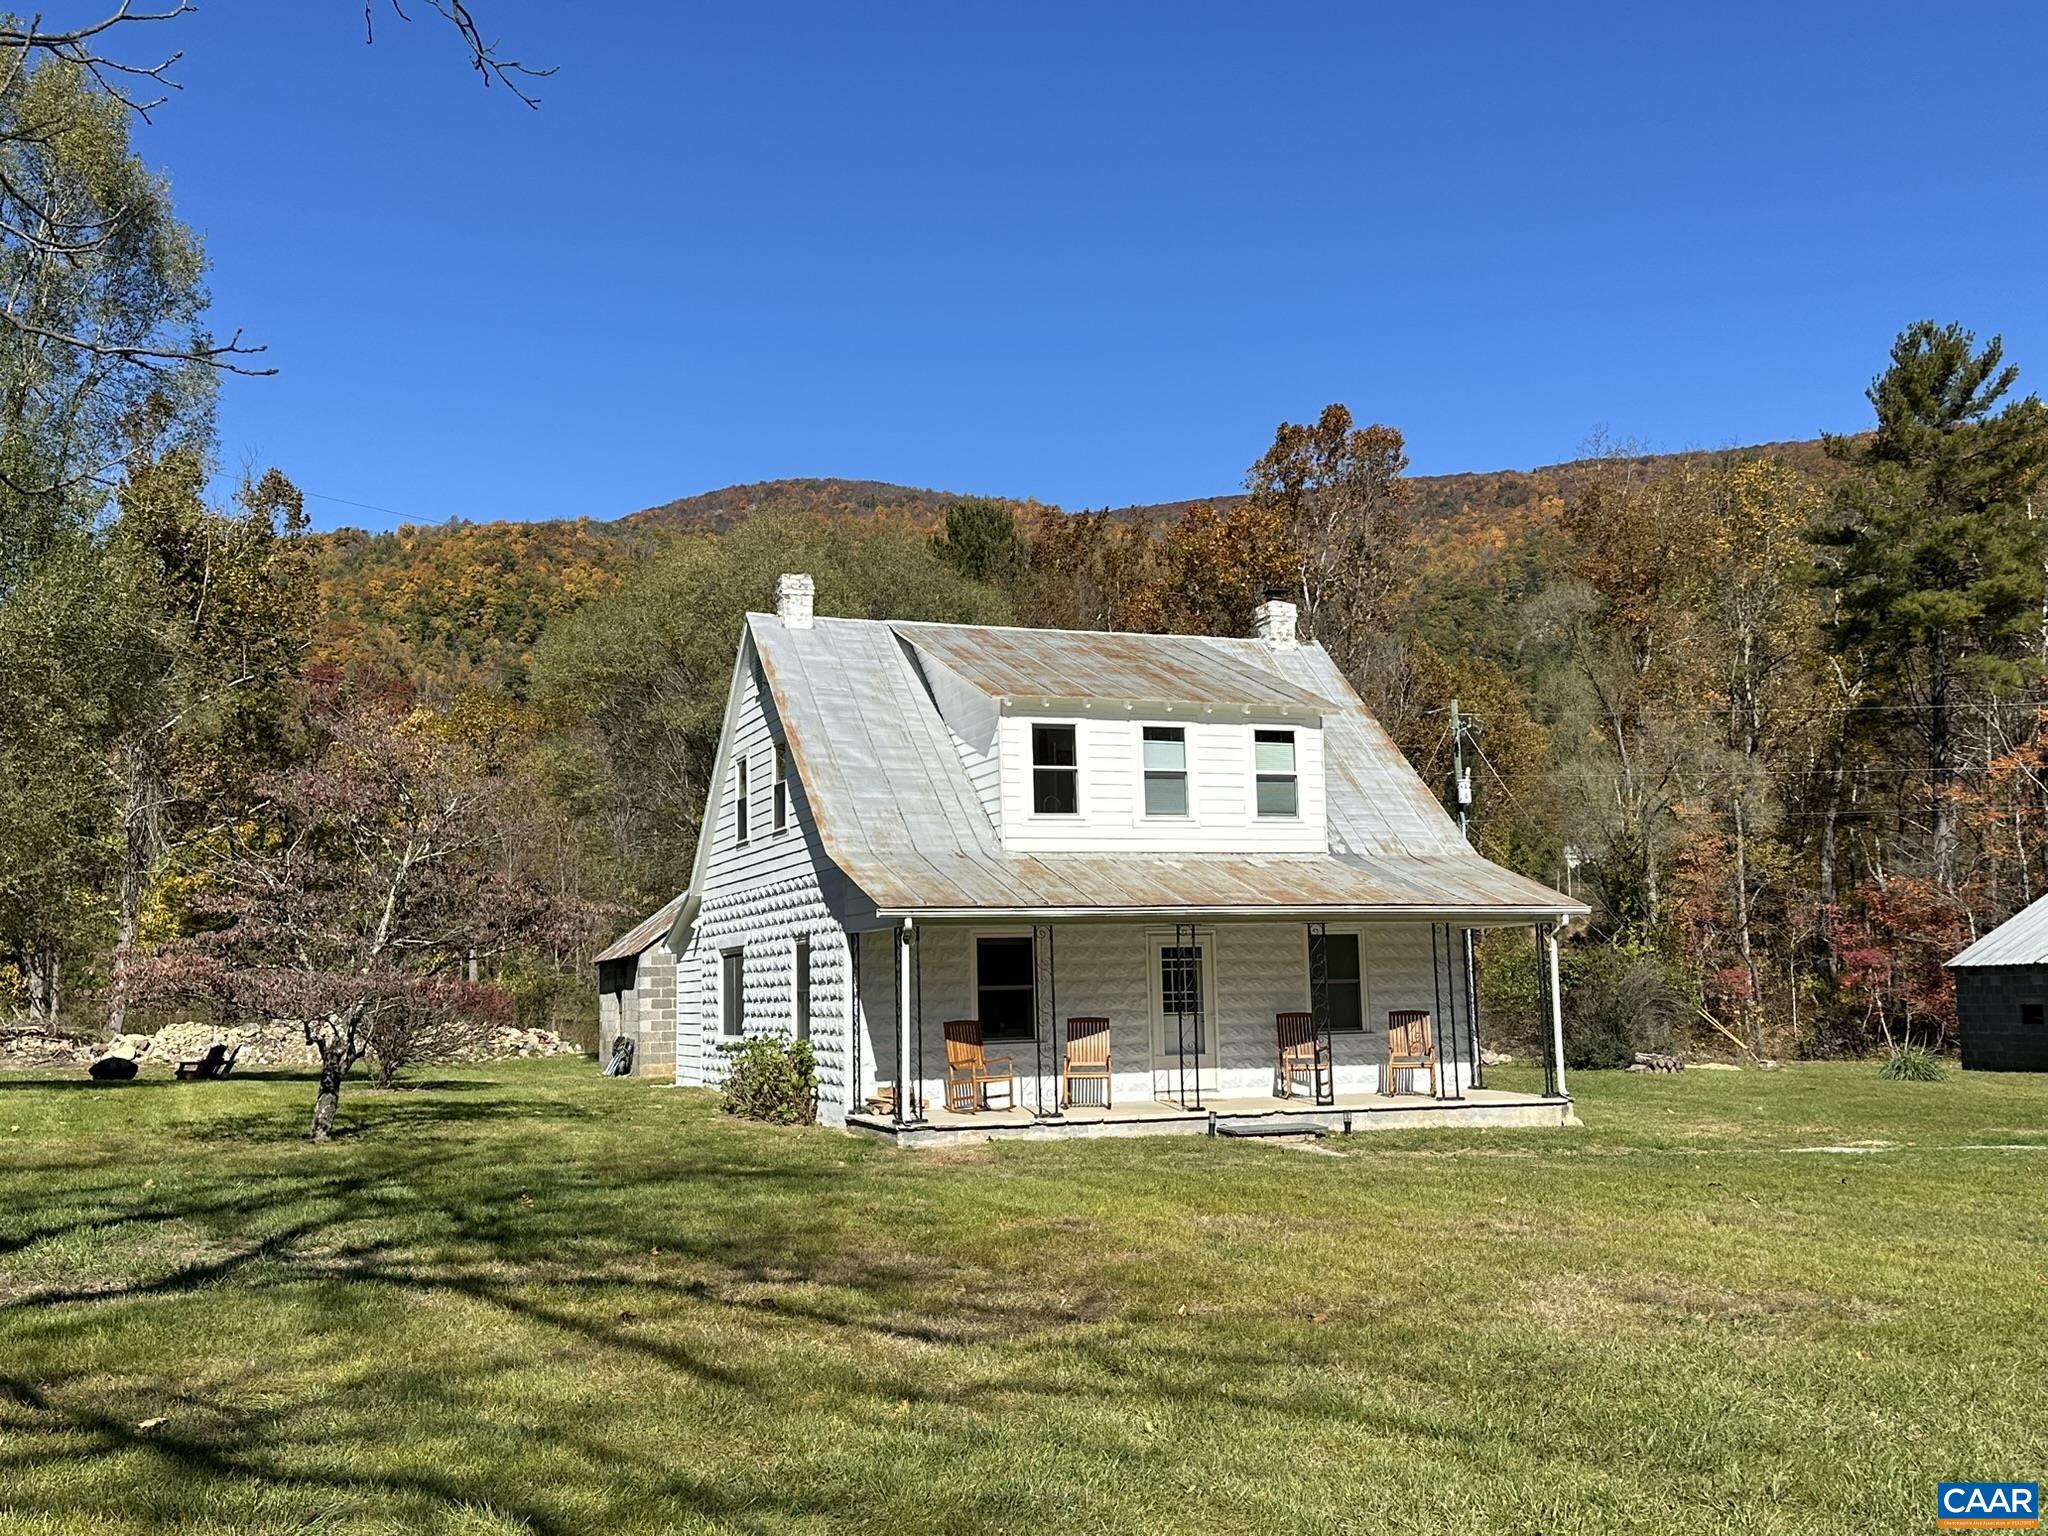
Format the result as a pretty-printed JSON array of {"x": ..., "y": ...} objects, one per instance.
[
  {"x": 793, "y": 596},
  {"x": 1273, "y": 621}
]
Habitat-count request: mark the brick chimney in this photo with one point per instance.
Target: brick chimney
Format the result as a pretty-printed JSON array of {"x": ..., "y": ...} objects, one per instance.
[
  {"x": 793, "y": 596},
  {"x": 1273, "y": 620}
]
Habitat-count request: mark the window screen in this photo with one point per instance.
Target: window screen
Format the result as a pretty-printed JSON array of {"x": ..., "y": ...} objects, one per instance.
[
  {"x": 1273, "y": 763},
  {"x": 1166, "y": 770}
]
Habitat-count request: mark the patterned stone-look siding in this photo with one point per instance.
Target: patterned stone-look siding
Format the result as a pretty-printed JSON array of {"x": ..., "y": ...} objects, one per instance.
[
  {"x": 1257, "y": 970},
  {"x": 1988, "y": 1002},
  {"x": 760, "y": 897}
]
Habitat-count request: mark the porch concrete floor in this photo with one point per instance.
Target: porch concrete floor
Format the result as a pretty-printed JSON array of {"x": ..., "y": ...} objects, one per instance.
[{"x": 1352, "y": 1112}]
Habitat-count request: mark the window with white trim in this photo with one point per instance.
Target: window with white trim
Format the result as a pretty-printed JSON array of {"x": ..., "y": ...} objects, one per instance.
[
  {"x": 732, "y": 988},
  {"x": 800, "y": 1007},
  {"x": 1005, "y": 986},
  {"x": 740, "y": 802},
  {"x": 1055, "y": 771},
  {"x": 781, "y": 787},
  {"x": 1165, "y": 751},
  {"x": 1346, "y": 982},
  {"x": 1278, "y": 791}
]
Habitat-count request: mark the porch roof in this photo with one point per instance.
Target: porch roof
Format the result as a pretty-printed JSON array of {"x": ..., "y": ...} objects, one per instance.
[{"x": 896, "y": 813}]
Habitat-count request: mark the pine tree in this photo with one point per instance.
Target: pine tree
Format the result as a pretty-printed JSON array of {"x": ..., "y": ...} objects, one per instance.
[{"x": 1939, "y": 580}]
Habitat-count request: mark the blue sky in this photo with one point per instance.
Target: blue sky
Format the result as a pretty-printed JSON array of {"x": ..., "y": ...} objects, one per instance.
[{"x": 1091, "y": 253}]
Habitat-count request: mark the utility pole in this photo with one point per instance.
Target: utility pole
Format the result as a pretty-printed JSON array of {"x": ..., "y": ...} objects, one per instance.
[{"x": 1461, "y": 776}]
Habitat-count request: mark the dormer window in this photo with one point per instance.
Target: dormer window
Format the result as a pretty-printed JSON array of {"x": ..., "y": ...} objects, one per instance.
[
  {"x": 1278, "y": 791},
  {"x": 1166, "y": 770},
  {"x": 1055, "y": 771}
]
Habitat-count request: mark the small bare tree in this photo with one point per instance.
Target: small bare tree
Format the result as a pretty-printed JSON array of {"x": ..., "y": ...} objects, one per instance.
[{"x": 352, "y": 896}]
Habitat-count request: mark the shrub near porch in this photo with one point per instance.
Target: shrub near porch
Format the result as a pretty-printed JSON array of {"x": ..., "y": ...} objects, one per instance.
[{"x": 522, "y": 1298}]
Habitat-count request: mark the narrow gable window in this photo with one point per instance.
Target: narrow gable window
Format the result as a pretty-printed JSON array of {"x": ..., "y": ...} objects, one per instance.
[
  {"x": 1055, "y": 771},
  {"x": 1005, "y": 994},
  {"x": 1273, "y": 762},
  {"x": 1166, "y": 770},
  {"x": 781, "y": 787},
  {"x": 740, "y": 817}
]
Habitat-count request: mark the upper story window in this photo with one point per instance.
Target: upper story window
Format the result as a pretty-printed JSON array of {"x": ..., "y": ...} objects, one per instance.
[
  {"x": 740, "y": 818},
  {"x": 1166, "y": 770},
  {"x": 1279, "y": 793},
  {"x": 1055, "y": 771},
  {"x": 781, "y": 787}
]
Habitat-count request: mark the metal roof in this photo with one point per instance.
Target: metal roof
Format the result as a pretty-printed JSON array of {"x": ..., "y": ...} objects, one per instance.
[
  {"x": 2020, "y": 940},
  {"x": 897, "y": 815},
  {"x": 1124, "y": 668},
  {"x": 643, "y": 935}
]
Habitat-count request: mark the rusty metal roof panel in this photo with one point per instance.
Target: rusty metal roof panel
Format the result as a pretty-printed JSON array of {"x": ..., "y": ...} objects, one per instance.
[
  {"x": 643, "y": 935},
  {"x": 1065, "y": 664},
  {"x": 896, "y": 814}
]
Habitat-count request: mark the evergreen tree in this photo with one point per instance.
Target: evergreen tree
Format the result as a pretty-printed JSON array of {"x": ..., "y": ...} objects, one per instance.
[{"x": 1939, "y": 580}]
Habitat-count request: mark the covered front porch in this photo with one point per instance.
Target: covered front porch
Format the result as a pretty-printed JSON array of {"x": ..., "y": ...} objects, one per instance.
[{"x": 1195, "y": 1018}]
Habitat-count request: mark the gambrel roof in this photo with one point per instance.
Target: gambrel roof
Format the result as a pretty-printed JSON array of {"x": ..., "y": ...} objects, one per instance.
[{"x": 895, "y": 812}]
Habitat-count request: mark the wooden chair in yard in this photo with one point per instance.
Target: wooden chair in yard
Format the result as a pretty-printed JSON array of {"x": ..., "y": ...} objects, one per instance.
[
  {"x": 1411, "y": 1047},
  {"x": 1087, "y": 1058},
  {"x": 1302, "y": 1054},
  {"x": 971, "y": 1073},
  {"x": 205, "y": 1065}
]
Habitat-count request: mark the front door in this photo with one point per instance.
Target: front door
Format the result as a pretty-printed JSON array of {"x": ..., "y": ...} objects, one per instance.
[{"x": 1183, "y": 1031}]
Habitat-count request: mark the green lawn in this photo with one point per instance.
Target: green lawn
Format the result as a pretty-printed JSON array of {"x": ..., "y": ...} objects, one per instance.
[{"x": 527, "y": 1299}]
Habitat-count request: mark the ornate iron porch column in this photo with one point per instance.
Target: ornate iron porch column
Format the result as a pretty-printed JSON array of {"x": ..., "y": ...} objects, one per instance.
[
  {"x": 1319, "y": 1011},
  {"x": 1045, "y": 1017}
]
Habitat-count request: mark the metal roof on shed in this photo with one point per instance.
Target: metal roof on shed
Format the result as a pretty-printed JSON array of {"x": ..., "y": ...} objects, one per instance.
[
  {"x": 2020, "y": 940},
  {"x": 643, "y": 935},
  {"x": 896, "y": 813}
]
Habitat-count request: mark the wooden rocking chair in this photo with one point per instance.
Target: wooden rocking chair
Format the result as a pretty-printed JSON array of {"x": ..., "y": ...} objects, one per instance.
[
  {"x": 1303, "y": 1053},
  {"x": 1411, "y": 1046},
  {"x": 1087, "y": 1058},
  {"x": 970, "y": 1072}
]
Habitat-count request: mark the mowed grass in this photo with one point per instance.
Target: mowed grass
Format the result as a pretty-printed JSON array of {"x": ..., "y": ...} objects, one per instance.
[{"x": 526, "y": 1299}]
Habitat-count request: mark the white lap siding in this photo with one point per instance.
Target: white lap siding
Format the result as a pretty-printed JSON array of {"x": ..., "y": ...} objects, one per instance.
[
  {"x": 760, "y": 897},
  {"x": 1104, "y": 969}
]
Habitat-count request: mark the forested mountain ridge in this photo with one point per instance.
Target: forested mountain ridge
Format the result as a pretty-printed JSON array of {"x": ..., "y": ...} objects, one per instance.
[{"x": 463, "y": 602}]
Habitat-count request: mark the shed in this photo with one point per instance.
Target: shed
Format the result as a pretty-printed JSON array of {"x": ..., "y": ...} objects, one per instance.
[
  {"x": 2002, "y": 995},
  {"x": 636, "y": 992}
]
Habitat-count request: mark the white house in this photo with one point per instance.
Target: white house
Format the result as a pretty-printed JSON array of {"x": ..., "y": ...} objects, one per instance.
[{"x": 1185, "y": 836}]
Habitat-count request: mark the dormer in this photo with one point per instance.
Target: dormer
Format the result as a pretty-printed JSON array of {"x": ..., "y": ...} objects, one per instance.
[{"x": 1088, "y": 743}]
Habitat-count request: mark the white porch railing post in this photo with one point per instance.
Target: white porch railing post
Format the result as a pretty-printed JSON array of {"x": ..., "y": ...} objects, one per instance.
[
  {"x": 1556, "y": 1004},
  {"x": 906, "y": 1092}
]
